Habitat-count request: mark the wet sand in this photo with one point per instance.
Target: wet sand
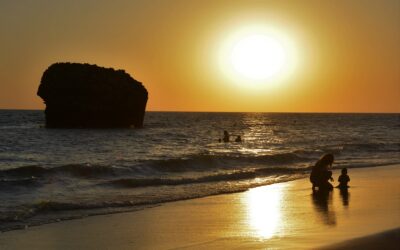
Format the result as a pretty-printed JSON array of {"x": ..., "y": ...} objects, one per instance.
[{"x": 282, "y": 216}]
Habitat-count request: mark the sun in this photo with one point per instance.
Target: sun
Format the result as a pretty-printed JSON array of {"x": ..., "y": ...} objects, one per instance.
[{"x": 258, "y": 57}]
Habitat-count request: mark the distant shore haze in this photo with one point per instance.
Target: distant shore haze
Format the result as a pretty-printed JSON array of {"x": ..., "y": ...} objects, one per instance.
[{"x": 89, "y": 96}]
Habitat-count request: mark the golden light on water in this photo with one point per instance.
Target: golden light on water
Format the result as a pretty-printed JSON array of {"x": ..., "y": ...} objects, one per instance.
[{"x": 264, "y": 212}]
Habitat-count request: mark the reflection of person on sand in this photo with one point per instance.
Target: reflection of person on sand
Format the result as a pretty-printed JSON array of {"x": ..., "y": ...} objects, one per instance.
[
  {"x": 344, "y": 193},
  {"x": 226, "y": 136},
  {"x": 320, "y": 175},
  {"x": 322, "y": 200},
  {"x": 343, "y": 179}
]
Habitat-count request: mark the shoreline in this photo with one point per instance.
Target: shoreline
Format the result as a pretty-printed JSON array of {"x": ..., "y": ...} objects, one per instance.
[
  {"x": 277, "y": 215},
  {"x": 336, "y": 171},
  {"x": 128, "y": 209},
  {"x": 144, "y": 206}
]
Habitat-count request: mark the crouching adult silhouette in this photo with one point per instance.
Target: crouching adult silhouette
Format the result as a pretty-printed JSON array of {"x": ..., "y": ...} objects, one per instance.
[{"x": 320, "y": 173}]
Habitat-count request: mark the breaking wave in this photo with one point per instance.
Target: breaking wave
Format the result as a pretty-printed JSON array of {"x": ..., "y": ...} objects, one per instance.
[{"x": 235, "y": 176}]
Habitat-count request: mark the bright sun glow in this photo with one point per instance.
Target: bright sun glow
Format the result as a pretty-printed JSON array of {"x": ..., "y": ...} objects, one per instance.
[{"x": 258, "y": 57}]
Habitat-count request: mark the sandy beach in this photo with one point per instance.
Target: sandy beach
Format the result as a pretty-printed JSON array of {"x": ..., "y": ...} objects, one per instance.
[{"x": 279, "y": 216}]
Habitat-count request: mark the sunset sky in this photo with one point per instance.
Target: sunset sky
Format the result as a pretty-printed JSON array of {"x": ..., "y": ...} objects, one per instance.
[{"x": 339, "y": 56}]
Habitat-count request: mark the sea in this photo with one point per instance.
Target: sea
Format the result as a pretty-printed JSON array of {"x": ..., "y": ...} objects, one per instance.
[{"x": 50, "y": 175}]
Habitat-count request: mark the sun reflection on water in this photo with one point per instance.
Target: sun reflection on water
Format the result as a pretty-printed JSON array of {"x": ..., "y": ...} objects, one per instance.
[{"x": 264, "y": 211}]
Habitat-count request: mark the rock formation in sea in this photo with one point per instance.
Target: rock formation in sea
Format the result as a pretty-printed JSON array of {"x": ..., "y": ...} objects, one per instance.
[{"x": 88, "y": 96}]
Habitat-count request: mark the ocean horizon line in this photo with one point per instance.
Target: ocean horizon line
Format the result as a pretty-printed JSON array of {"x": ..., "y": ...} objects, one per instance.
[{"x": 260, "y": 112}]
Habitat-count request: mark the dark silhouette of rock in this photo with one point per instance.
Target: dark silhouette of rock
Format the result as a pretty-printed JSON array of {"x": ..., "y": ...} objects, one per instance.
[{"x": 88, "y": 96}]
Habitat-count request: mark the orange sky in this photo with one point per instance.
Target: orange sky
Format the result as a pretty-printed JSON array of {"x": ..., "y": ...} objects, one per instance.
[{"x": 347, "y": 52}]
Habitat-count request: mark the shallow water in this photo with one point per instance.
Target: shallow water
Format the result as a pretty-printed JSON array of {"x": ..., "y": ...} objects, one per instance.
[{"x": 52, "y": 174}]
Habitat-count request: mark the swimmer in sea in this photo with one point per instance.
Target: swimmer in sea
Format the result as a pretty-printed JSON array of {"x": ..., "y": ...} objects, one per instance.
[{"x": 226, "y": 136}]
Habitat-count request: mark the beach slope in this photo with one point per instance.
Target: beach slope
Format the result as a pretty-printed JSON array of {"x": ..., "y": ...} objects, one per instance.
[{"x": 386, "y": 240}]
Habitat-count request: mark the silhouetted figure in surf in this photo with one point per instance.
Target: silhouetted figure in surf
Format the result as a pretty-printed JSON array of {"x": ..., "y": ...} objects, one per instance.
[
  {"x": 226, "y": 136},
  {"x": 320, "y": 175},
  {"x": 238, "y": 139},
  {"x": 343, "y": 179}
]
